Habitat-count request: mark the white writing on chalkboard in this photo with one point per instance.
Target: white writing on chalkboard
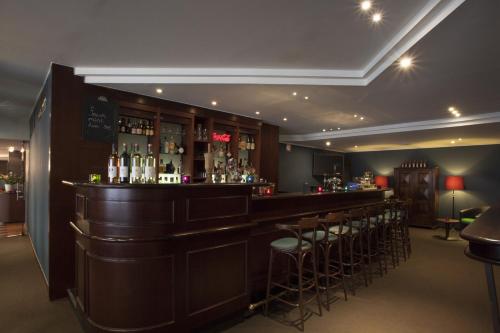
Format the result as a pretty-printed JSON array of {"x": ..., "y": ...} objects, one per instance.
[{"x": 96, "y": 119}]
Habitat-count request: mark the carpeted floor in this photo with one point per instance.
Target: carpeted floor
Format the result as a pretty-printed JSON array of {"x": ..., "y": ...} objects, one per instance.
[{"x": 437, "y": 290}]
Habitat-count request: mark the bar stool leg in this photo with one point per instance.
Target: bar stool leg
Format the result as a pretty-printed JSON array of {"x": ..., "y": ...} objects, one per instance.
[
  {"x": 326, "y": 253},
  {"x": 377, "y": 247},
  {"x": 341, "y": 267},
  {"x": 300, "y": 263},
  {"x": 351, "y": 266},
  {"x": 362, "y": 261},
  {"x": 269, "y": 277},
  {"x": 369, "y": 252},
  {"x": 315, "y": 272}
]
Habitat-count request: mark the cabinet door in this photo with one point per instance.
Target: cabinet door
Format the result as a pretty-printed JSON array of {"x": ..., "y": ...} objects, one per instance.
[
  {"x": 405, "y": 180},
  {"x": 423, "y": 198}
]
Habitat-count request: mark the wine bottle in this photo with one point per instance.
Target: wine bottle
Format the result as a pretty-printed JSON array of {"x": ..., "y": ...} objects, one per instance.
[
  {"x": 124, "y": 165},
  {"x": 151, "y": 129},
  {"x": 165, "y": 145},
  {"x": 138, "y": 130},
  {"x": 150, "y": 166},
  {"x": 136, "y": 166},
  {"x": 252, "y": 143},
  {"x": 133, "y": 130},
  {"x": 128, "y": 128},
  {"x": 113, "y": 166},
  {"x": 171, "y": 145},
  {"x": 120, "y": 124},
  {"x": 249, "y": 145}
]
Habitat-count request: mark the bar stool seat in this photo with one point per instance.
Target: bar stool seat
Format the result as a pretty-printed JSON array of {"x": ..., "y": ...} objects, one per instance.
[
  {"x": 335, "y": 230},
  {"x": 289, "y": 244},
  {"x": 362, "y": 224},
  {"x": 320, "y": 235}
]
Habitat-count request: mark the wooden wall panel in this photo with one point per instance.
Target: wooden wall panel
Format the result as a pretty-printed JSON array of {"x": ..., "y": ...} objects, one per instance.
[{"x": 270, "y": 153}]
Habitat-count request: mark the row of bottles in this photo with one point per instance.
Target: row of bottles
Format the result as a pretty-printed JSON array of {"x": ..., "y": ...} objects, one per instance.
[
  {"x": 414, "y": 164},
  {"x": 132, "y": 168},
  {"x": 141, "y": 127},
  {"x": 246, "y": 144}
]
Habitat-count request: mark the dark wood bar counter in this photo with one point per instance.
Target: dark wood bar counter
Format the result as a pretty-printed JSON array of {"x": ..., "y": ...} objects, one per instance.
[{"x": 156, "y": 258}]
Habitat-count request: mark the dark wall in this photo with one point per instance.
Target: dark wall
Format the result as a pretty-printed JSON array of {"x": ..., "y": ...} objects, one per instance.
[
  {"x": 480, "y": 166},
  {"x": 295, "y": 168}
]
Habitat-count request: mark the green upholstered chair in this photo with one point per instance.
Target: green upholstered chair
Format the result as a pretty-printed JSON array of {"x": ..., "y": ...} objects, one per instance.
[{"x": 469, "y": 215}]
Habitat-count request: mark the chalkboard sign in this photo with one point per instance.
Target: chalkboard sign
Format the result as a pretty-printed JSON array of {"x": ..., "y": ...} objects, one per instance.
[{"x": 99, "y": 120}]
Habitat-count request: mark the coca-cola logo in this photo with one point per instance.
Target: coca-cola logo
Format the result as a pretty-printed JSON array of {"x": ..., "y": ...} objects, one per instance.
[{"x": 221, "y": 137}]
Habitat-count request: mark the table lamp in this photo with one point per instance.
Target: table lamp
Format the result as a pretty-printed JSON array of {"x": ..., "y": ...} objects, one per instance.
[
  {"x": 382, "y": 181},
  {"x": 453, "y": 183}
]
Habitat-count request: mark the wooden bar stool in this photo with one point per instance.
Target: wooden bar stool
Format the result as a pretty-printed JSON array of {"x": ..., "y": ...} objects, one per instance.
[
  {"x": 386, "y": 243},
  {"x": 352, "y": 258},
  {"x": 332, "y": 275},
  {"x": 371, "y": 226},
  {"x": 297, "y": 249}
]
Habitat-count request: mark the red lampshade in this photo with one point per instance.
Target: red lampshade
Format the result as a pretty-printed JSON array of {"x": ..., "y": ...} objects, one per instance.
[
  {"x": 382, "y": 181},
  {"x": 454, "y": 183}
]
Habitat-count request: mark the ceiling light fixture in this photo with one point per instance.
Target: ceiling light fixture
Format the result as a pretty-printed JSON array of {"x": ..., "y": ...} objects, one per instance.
[
  {"x": 11, "y": 149},
  {"x": 365, "y": 5},
  {"x": 257, "y": 112},
  {"x": 452, "y": 109},
  {"x": 214, "y": 103},
  {"x": 457, "y": 114},
  {"x": 356, "y": 146},
  {"x": 338, "y": 128},
  {"x": 355, "y": 116},
  {"x": 284, "y": 119},
  {"x": 331, "y": 129},
  {"x": 324, "y": 129},
  {"x": 294, "y": 93},
  {"x": 452, "y": 141},
  {"x": 328, "y": 143},
  {"x": 361, "y": 118},
  {"x": 405, "y": 62},
  {"x": 377, "y": 17},
  {"x": 159, "y": 90},
  {"x": 306, "y": 97},
  {"x": 459, "y": 139}
]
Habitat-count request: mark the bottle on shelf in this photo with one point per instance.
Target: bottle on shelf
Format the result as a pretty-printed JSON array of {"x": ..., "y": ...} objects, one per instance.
[
  {"x": 252, "y": 143},
  {"x": 248, "y": 144},
  {"x": 166, "y": 144},
  {"x": 171, "y": 145},
  {"x": 136, "y": 166},
  {"x": 128, "y": 126},
  {"x": 152, "y": 129},
  {"x": 120, "y": 124},
  {"x": 113, "y": 166},
  {"x": 124, "y": 165},
  {"x": 138, "y": 129},
  {"x": 150, "y": 166}
]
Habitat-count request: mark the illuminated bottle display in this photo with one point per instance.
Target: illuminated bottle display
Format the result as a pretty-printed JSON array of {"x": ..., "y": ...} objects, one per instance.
[
  {"x": 124, "y": 165},
  {"x": 150, "y": 166},
  {"x": 113, "y": 166},
  {"x": 136, "y": 166}
]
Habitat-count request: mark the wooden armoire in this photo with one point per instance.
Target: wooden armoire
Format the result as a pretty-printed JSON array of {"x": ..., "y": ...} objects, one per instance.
[{"x": 421, "y": 186}]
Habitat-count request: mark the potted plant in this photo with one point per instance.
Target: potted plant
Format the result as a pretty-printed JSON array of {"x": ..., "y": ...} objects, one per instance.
[{"x": 10, "y": 180}]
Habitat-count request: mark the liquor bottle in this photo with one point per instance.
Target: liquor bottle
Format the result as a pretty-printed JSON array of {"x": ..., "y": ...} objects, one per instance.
[
  {"x": 138, "y": 129},
  {"x": 113, "y": 166},
  {"x": 133, "y": 129},
  {"x": 171, "y": 145},
  {"x": 128, "y": 127},
  {"x": 150, "y": 166},
  {"x": 124, "y": 165},
  {"x": 136, "y": 166},
  {"x": 120, "y": 124},
  {"x": 151, "y": 130},
  {"x": 165, "y": 145},
  {"x": 249, "y": 145},
  {"x": 252, "y": 143}
]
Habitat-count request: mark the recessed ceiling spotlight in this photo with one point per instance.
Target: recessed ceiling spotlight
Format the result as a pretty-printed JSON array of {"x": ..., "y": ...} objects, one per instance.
[
  {"x": 328, "y": 143},
  {"x": 294, "y": 93},
  {"x": 361, "y": 118},
  {"x": 306, "y": 97},
  {"x": 338, "y": 128},
  {"x": 457, "y": 114},
  {"x": 365, "y": 5},
  {"x": 355, "y": 116},
  {"x": 452, "y": 141},
  {"x": 331, "y": 129},
  {"x": 159, "y": 90},
  {"x": 356, "y": 146},
  {"x": 214, "y": 103},
  {"x": 377, "y": 17},
  {"x": 11, "y": 149},
  {"x": 22, "y": 148},
  {"x": 452, "y": 109},
  {"x": 405, "y": 62},
  {"x": 324, "y": 130},
  {"x": 459, "y": 139},
  {"x": 284, "y": 119},
  {"x": 257, "y": 112}
]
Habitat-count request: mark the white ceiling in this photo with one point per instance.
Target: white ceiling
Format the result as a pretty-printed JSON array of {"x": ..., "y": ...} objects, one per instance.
[{"x": 456, "y": 62}]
